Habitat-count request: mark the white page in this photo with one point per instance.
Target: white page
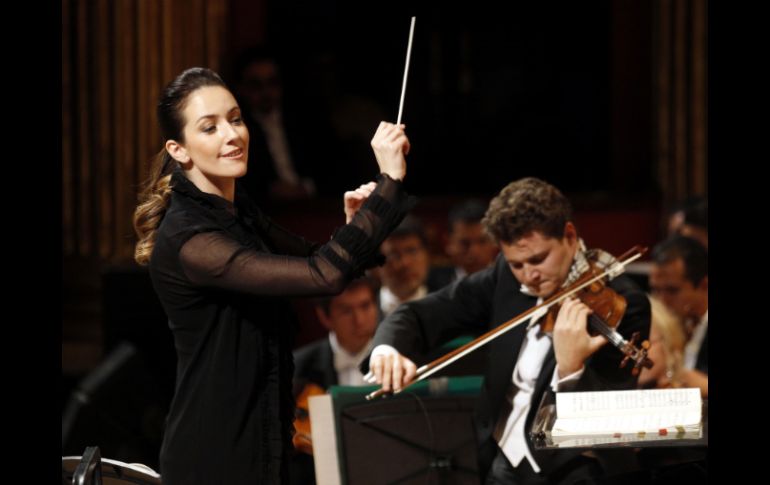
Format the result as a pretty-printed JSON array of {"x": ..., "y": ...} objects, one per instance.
[{"x": 608, "y": 412}]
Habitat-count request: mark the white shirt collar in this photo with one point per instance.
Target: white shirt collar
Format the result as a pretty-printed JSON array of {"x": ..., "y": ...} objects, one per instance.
[
  {"x": 342, "y": 358},
  {"x": 389, "y": 301}
]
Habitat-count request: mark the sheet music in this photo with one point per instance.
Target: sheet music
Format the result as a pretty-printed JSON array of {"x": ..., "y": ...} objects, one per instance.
[{"x": 608, "y": 412}]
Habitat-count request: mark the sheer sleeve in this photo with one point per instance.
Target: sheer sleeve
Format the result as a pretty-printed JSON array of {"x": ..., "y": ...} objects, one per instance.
[
  {"x": 213, "y": 259},
  {"x": 286, "y": 242}
]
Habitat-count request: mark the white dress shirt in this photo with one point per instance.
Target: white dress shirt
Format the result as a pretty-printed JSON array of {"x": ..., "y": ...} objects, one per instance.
[
  {"x": 346, "y": 364},
  {"x": 509, "y": 432},
  {"x": 694, "y": 344},
  {"x": 389, "y": 301}
]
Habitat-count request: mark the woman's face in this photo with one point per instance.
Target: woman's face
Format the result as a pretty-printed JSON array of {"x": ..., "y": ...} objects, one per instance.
[{"x": 216, "y": 141}]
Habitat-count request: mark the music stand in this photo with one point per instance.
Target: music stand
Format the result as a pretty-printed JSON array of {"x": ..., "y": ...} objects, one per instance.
[{"x": 424, "y": 435}]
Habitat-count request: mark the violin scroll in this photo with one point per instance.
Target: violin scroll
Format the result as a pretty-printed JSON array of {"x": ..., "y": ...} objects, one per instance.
[{"x": 637, "y": 354}]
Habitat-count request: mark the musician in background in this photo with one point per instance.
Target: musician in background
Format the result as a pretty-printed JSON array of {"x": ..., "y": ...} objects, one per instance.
[
  {"x": 351, "y": 318},
  {"x": 540, "y": 254},
  {"x": 405, "y": 275},
  {"x": 468, "y": 246},
  {"x": 679, "y": 277},
  {"x": 291, "y": 149}
]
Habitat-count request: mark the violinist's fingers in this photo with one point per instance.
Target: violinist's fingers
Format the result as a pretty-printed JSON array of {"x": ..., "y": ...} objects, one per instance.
[
  {"x": 387, "y": 373},
  {"x": 597, "y": 342},
  {"x": 581, "y": 315},
  {"x": 571, "y": 327},
  {"x": 566, "y": 316},
  {"x": 398, "y": 374},
  {"x": 411, "y": 371},
  {"x": 566, "y": 309},
  {"x": 376, "y": 368},
  {"x": 577, "y": 314}
]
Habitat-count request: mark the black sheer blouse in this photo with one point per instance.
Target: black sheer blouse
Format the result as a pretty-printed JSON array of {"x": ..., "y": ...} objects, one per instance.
[{"x": 222, "y": 272}]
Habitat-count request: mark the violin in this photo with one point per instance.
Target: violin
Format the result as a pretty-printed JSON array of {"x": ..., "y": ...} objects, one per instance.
[
  {"x": 302, "y": 439},
  {"x": 607, "y": 308}
]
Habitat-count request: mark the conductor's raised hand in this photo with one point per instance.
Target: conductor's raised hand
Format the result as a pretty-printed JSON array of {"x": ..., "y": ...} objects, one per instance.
[{"x": 390, "y": 146}]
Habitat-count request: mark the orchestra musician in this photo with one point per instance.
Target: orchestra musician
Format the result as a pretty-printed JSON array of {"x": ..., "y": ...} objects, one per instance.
[
  {"x": 540, "y": 253},
  {"x": 351, "y": 318}
]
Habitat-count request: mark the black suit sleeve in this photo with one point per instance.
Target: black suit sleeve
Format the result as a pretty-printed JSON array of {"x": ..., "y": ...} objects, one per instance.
[{"x": 420, "y": 326}]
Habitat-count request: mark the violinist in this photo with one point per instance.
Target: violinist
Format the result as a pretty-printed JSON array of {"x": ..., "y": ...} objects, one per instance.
[{"x": 541, "y": 253}]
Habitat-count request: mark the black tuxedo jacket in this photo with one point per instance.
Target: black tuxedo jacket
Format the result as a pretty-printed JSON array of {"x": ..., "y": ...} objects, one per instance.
[
  {"x": 485, "y": 300},
  {"x": 315, "y": 363}
]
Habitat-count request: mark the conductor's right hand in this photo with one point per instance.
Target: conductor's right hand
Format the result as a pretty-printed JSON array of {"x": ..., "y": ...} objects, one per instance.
[
  {"x": 390, "y": 146},
  {"x": 390, "y": 369}
]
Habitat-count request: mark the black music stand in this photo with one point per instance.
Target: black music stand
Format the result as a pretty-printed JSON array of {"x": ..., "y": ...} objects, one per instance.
[{"x": 425, "y": 435}]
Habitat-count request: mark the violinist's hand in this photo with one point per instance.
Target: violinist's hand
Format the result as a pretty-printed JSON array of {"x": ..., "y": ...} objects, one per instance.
[
  {"x": 355, "y": 198},
  {"x": 390, "y": 369},
  {"x": 390, "y": 146},
  {"x": 572, "y": 344}
]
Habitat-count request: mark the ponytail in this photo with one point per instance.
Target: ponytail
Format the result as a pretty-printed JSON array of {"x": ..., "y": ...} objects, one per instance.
[{"x": 153, "y": 202}]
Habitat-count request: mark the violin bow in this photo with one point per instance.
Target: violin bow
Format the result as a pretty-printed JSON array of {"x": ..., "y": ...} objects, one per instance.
[{"x": 431, "y": 368}]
